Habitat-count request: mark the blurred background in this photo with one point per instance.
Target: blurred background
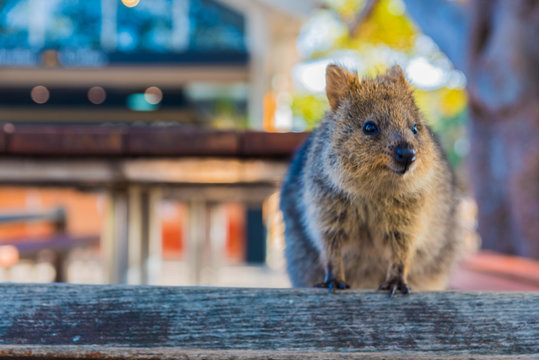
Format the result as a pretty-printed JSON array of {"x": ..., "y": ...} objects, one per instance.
[{"x": 143, "y": 141}]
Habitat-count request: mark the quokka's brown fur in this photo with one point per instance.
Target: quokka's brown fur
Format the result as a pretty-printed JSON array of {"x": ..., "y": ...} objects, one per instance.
[{"x": 353, "y": 214}]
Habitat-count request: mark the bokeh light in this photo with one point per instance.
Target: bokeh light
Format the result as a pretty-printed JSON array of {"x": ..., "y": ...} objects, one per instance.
[
  {"x": 130, "y": 3},
  {"x": 153, "y": 95},
  {"x": 49, "y": 58},
  {"x": 97, "y": 95},
  {"x": 40, "y": 94},
  {"x": 425, "y": 75},
  {"x": 9, "y": 128},
  {"x": 9, "y": 256}
]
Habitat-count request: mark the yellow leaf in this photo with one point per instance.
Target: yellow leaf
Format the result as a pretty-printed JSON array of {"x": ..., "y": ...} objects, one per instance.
[{"x": 453, "y": 102}]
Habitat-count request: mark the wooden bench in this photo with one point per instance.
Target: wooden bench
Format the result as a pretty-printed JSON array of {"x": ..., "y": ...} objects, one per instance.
[
  {"x": 59, "y": 321},
  {"x": 60, "y": 242}
]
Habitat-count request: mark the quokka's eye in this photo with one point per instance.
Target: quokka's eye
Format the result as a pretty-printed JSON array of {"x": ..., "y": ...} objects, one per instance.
[
  {"x": 414, "y": 129},
  {"x": 370, "y": 128}
]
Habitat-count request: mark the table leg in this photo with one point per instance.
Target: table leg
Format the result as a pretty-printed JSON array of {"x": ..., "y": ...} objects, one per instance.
[{"x": 132, "y": 236}]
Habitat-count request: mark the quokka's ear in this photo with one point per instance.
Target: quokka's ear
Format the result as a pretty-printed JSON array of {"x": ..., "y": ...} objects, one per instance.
[
  {"x": 396, "y": 75},
  {"x": 339, "y": 81}
]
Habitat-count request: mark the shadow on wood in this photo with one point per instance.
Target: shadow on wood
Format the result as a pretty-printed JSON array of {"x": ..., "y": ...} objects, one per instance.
[{"x": 111, "y": 321}]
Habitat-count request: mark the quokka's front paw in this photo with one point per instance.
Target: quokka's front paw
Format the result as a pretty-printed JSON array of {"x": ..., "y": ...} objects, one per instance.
[
  {"x": 394, "y": 284},
  {"x": 332, "y": 285}
]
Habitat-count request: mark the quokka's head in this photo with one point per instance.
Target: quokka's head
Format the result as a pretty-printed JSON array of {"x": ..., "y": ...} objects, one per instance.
[{"x": 378, "y": 139}]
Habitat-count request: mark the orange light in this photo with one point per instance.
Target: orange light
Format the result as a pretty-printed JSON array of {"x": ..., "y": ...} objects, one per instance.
[
  {"x": 49, "y": 58},
  {"x": 9, "y": 256},
  {"x": 270, "y": 107}
]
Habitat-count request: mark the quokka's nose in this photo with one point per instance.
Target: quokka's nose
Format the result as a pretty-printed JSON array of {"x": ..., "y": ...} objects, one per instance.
[{"x": 404, "y": 154}]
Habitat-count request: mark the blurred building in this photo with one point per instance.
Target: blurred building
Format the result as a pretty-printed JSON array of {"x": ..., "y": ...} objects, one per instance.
[{"x": 203, "y": 62}]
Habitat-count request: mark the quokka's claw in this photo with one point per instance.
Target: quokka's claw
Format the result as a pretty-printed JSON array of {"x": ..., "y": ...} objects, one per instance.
[
  {"x": 393, "y": 285},
  {"x": 333, "y": 285}
]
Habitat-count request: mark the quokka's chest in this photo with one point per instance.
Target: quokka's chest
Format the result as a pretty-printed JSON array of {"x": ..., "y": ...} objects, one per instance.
[
  {"x": 365, "y": 241},
  {"x": 371, "y": 227}
]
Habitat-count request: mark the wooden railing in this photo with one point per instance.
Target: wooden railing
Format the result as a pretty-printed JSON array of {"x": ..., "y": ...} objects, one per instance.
[{"x": 61, "y": 321}]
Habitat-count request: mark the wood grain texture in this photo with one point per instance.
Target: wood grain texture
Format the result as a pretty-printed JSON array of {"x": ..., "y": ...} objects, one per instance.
[
  {"x": 47, "y": 140},
  {"x": 259, "y": 143},
  {"x": 120, "y": 353},
  {"x": 282, "y": 323},
  {"x": 181, "y": 141},
  {"x": 94, "y": 140}
]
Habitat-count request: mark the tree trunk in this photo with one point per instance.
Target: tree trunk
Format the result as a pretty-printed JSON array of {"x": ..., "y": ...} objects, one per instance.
[{"x": 498, "y": 50}]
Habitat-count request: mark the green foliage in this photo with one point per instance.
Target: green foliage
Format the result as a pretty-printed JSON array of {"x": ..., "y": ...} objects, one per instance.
[
  {"x": 445, "y": 110},
  {"x": 453, "y": 132},
  {"x": 309, "y": 107},
  {"x": 227, "y": 114}
]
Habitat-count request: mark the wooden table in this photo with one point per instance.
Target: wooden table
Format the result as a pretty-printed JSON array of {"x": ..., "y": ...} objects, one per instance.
[{"x": 139, "y": 165}]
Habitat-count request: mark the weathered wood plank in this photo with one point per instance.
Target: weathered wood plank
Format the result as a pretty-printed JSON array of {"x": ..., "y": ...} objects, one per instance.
[
  {"x": 66, "y": 140},
  {"x": 258, "y": 143},
  {"x": 32, "y": 171},
  {"x": 280, "y": 323},
  {"x": 207, "y": 170},
  {"x": 87, "y": 352},
  {"x": 181, "y": 141},
  {"x": 118, "y": 171},
  {"x": 95, "y": 140}
]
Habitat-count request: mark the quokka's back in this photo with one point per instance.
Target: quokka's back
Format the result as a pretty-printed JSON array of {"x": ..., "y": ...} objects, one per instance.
[{"x": 370, "y": 199}]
